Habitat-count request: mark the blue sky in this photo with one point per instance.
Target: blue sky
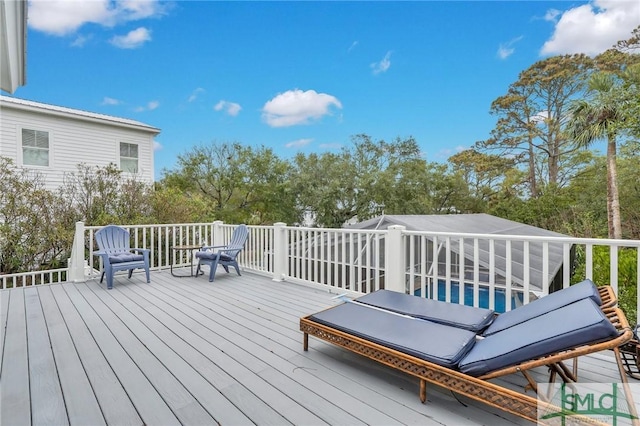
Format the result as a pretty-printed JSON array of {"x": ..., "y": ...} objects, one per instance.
[{"x": 304, "y": 76}]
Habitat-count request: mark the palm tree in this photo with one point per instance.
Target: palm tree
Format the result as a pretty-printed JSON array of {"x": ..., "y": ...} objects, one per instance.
[{"x": 601, "y": 116}]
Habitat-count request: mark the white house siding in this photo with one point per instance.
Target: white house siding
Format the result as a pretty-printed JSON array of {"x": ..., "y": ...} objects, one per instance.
[{"x": 74, "y": 137}]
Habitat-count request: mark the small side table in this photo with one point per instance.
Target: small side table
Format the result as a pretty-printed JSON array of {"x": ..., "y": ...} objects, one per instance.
[{"x": 193, "y": 248}]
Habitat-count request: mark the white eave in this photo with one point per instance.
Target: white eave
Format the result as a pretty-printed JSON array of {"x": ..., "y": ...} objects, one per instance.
[
  {"x": 13, "y": 44},
  {"x": 54, "y": 110}
]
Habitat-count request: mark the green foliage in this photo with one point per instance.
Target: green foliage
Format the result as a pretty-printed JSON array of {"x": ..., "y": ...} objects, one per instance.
[
  {"x": 627, "y": 275},
  {"x": 37, "y": 225},
  {"x": 531, "y": 116},
  {"x": 103, "y": 195},
  {"x": 169, "y": 204},
  {"x": 371, "y": 177},
  {"x": 31, "y": 234},
  {"x": 483, "y": 176},
  {"x": 240, "y": 184}
]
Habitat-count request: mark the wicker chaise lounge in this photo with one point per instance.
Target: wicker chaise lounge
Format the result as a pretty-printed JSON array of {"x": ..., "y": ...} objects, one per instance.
[{"x": 454, "y": 357}]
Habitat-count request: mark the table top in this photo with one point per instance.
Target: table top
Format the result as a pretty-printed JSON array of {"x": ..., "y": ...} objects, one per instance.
[{"x": 187, "y": 247}]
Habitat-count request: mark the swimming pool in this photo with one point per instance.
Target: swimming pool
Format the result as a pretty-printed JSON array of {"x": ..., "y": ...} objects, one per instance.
[{"x": 483, "y": 293}]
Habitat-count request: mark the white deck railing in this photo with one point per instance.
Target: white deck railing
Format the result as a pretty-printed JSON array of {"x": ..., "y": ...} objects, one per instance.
[
  {"x": 497, "y": 271},
  {"x": 49, "y": 276}
]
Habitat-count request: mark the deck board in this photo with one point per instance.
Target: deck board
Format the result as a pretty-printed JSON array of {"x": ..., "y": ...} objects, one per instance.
[
  {"x": 187, "y": 351},
  {"x": 228, "y": 398},
  {"x": 4, "y": 309},
  {"x": 44, "y": 386},
  {"x": 15, "y": 398},
  {"x": 115, "y": 405},
  {"x": 225, "y": 330},
  {"x": 150, "y": 356},
  {"x": 149, "y": 404}
]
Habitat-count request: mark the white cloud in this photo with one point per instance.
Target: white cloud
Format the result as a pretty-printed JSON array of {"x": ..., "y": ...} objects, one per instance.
[
  {"x": 134, "y": 39},
  {"x": 151, "y": 105},
  {"x": 295, "y": 107},
  {"x": 299, "y": 143},
  {"x": 110, "y": 101},
  {"x": 383, "y": 65},
  {"x": 81, "y": 40},
  {"x": 157, "y": 146},
  {"x": 194, "y": 95},
  {"x": 231, "y": 108},
  {"x": 593, "y": 28},
  {"x": 62, "y": 17},
  {"x": 552, "y": 15},
  {"x": 353, "y": 46},
  {"x": 506, "y": 49},
  {"x": 539, "y": 117}
]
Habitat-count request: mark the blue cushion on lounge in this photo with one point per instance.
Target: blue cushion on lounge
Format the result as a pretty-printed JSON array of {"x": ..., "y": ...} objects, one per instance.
[
  {"x": 461, "y": 316},
  {"x": 212, "y": 255},
  {"x": 437, "y": 343},
  {"x": 579, "y": 323},
  {"x": 125, "y": 257},
  {"x": 585, "y": 289}
]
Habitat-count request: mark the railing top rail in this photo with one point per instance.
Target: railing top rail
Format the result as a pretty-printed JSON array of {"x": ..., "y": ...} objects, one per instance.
[
  {"x": 536, "y": 238},
  {"x": 25, "y": 274},
  {"x": 355, "y": 231},
  {"x": 150, "y": 225},
  {"x": 531, "y": 238}
]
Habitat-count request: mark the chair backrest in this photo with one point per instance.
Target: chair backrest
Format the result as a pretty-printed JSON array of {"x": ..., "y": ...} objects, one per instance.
[
  {"x": 238, "y": 240},
  {"x": 113, "y": 239}
]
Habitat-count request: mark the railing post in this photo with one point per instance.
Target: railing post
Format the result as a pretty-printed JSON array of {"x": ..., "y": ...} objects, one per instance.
[
  {"x": 394, "y": 260},
  {"x": 76, "y": 261},
  {"x": 279, "y": 251},
  {"x": 218, "y": 239}
]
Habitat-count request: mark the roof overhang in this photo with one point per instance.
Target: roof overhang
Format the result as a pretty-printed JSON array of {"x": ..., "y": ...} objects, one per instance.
[
  {"x": 13, "y": 44},
  {"x": 8, "y": 102}
]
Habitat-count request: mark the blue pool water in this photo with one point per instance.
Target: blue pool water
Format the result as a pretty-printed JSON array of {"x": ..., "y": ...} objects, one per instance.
[{"x": 500, "y": 296}]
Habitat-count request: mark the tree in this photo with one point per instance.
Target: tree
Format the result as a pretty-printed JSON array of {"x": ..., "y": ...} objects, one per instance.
[
  {"x": 628, "y": 165},
  {"x": 392, "y": 177},
  {"x": 588, "y": 193},
  {"x": 102, "y": 195},
  {"x": 30, "y": 231},
  {"x": 531, "y": 117},
  {"x": 483, "y": 174},
  {"x": 631, "y": 98},
  {"x": 369, "y": 178},
  {"x": 610, "y": 109},
  {"x": 325, "y": 185},
  {"x": 631, "y": 44},
  {"x": 598, "y": 117},
  {"x": 240, "y": 184}
]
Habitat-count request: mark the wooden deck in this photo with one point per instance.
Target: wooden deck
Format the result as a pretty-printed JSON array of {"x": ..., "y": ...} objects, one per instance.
[{"x": 186, "y": 351}]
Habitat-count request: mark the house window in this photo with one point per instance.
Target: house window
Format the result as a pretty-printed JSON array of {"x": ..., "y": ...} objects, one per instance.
[
  {"x": 35, "y": 148},
  {"x": 128, "y": 157}
]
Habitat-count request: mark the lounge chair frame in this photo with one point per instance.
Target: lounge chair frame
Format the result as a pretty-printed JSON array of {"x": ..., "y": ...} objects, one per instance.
[
  {"x": 607, "y": 296},
  {"x": 478, "y": 388}
]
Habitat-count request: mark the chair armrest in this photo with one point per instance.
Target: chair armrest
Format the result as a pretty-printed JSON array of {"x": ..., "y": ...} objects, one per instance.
[
  {"x": 141, "y": 250},
  {"x": 211, "y": 247}
]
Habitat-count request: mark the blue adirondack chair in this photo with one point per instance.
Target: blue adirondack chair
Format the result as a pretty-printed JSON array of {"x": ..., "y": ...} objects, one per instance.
[
  {"x": 117, "y": 255},
  {"x": 223, "y": 255}
]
